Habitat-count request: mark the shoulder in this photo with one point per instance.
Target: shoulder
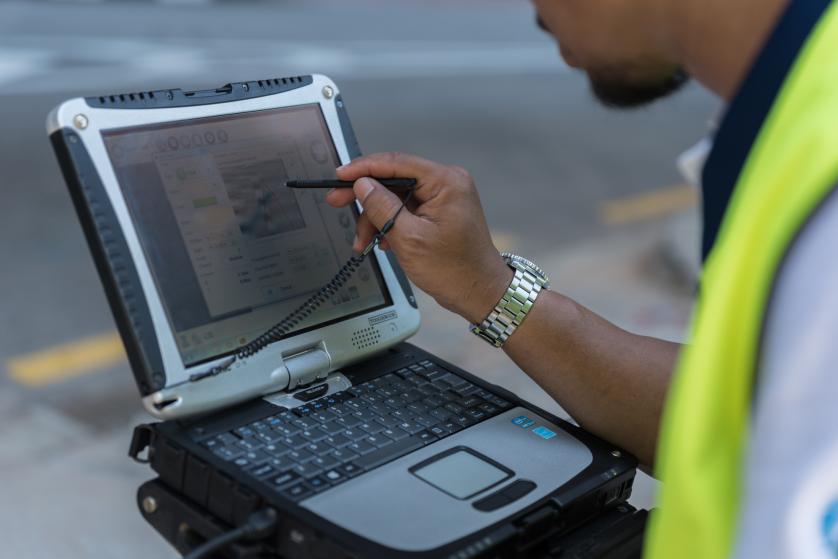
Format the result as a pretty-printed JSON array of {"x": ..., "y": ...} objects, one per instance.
[{"x": 790, "y": 496}]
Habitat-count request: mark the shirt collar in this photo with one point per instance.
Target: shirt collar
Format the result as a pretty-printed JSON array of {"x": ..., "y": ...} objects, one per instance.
[{"x": 750, "y": 108}]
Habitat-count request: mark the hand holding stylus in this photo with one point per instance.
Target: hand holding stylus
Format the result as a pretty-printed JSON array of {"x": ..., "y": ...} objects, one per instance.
[{"x": 441, "y": 239}]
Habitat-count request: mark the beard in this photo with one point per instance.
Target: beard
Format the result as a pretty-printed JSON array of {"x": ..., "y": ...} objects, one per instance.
[{"x": 615, "y": 89}]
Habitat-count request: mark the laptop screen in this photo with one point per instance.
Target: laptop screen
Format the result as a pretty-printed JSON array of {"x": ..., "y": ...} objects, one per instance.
[{"x": 231, "y": 248}]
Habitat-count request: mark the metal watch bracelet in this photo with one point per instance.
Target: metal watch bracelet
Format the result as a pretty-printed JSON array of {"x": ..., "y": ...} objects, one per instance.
[{"x": 515, "y": 304}]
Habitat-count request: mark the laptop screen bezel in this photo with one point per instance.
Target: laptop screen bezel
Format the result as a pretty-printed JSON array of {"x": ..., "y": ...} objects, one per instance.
[{"x": 256, "y": 375}]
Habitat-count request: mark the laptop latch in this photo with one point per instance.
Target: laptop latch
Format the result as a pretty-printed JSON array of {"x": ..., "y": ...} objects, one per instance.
[{"x": 307, "y": 367}]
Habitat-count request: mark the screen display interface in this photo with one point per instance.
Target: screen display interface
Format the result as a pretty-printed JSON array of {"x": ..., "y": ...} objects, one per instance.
[{"x": 231, "y": 248}]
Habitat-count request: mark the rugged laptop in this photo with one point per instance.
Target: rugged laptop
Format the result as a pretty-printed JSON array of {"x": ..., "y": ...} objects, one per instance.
[{"x": 364, "y": 445}]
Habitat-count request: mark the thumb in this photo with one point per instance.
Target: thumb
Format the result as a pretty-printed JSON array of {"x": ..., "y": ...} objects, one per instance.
[{"x": 379, "y": 204}]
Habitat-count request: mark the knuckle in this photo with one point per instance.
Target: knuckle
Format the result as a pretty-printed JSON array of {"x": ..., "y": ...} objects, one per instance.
[{"x": 462, "y": 172}]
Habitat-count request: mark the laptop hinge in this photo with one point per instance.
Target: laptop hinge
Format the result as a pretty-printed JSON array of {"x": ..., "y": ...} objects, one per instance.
[{"x": 307, "y": 366}]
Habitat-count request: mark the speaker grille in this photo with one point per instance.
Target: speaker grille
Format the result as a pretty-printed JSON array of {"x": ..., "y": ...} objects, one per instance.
[{"x": 366, "y": 337}]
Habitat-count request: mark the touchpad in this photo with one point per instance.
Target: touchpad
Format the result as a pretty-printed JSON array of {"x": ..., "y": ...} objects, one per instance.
[{"x": 461, "y": 472}]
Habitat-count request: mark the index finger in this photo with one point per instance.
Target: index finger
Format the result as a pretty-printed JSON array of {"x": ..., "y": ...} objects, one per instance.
[{"x": 387, "y": 165}]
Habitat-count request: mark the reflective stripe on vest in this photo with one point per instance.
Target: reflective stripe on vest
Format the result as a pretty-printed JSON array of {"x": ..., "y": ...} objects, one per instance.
[{"x": 790, "y": 170}]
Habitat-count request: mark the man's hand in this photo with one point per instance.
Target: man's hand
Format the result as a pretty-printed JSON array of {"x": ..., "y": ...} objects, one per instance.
[{"x": 441, "y": 239}]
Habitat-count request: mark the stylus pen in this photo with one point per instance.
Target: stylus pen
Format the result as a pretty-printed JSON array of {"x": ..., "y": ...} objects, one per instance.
[{"x": 393, "y": 184}]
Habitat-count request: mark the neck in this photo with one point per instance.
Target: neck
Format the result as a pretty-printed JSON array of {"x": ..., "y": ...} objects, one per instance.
[{"x": 718, "y": 40}]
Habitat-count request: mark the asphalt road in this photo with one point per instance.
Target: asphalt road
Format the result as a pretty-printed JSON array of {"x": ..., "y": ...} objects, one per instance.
[{"x": 470, "y": 83}]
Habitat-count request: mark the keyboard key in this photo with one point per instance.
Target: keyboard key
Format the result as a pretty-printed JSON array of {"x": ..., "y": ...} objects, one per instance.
[
  {"x": 281, "y": 463},
  {"x": 228, "y": 452},
  {"x": 257, "y": 457},
  {"x": 287, "y": 429},
  {"x": 276, "y": 449},
  {"x": 269, "y": 436},
  {"x": 340, "y": 410},
  {"x": 451, "y": 426},
  {"x": 322, "y": 416},
  {"x": 337, "y": 441},
  {"x": 318, "y": 483},
  {"x": 454, "y": 408},
  {"x": 227, "y": 438},
  {"x": 365, "y": 415},
  {"x": 500, "y": 402},
  {"x": 314, "y": 435},
  {"x": 242, "y": 462},
  {"x": 378, "y": 440},
  {"x": 297, "y": 492},
  {"x": 425, "y": 437},
  {"x": 295, "y": 441},
  {"x": 402, "y": 415},
  {"x": 285, "y": 479},
  {"x": 326, "y": 461},
  {"x": 360, "y": 447},
  {"x": 350, "y": 469},
  {"x": 244, "y": 432},
  {"x": 318, "y": 448},
  {"x": 441, "y": 414},
  {"x": 490, "y": 409},
  {"x": 306, "y": 423},
  {"x": 439, "y": 430},
  {"x": 388, "y": 420},
  {"x": 332, "y": 427},
  {"x": 395, "y": 434},
  {"x": 371, "y": 428},
  {"x": 463, "y": 420},
  {"x": 342, "y": 455},
  {"x": 418, "y": 408},
  {"x": 259, "y": 426},
  {"x": 470, "y": 402},
  {"x": 263, "y": 471},
  {"x": 306, "y": 470},
  {"x": 388, "y": 453},
  {"x": 300, "y": 456},
  {"x": 477, "y": 414},
  {"x": 334, "y": 476},
  {"x": 410, "y": 426},
  {"x": 354, "y": 434},
  {"x": 426, "y": 420},
  {"x": 250, "y": 444},
  {"x": 348, "y": 421},
  {"x": 433, "y": 401},
  {"x": 453, "y": 380}
]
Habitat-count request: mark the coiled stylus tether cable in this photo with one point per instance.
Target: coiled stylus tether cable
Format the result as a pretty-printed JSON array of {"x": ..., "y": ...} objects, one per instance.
[{"x": 295, "y": 317}]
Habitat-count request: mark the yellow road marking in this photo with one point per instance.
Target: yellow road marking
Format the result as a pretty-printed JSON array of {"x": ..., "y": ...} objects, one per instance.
[
  {"x": 649, "y": 205},
  {"x": 66, "y": 361}
]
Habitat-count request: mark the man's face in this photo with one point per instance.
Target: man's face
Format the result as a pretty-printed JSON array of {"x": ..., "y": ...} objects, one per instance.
[{"x": 618, "y": 43}]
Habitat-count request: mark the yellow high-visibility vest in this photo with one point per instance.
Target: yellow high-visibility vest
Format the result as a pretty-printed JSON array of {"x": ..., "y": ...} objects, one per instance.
[{"x": 791, "y": 168}]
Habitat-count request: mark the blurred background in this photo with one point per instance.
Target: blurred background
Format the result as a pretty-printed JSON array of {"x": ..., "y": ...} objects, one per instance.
[{"x": 592, "y": 195}]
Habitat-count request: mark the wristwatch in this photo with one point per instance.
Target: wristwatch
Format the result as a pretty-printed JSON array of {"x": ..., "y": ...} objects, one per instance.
[{"x": 513, "y": 307}]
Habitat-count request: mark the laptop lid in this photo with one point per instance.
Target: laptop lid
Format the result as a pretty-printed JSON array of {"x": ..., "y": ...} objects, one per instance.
[{"x": 202, "y": 248}]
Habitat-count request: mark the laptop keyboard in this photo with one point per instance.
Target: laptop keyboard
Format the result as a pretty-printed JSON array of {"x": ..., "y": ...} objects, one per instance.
[{"x": 339, "y": 436}]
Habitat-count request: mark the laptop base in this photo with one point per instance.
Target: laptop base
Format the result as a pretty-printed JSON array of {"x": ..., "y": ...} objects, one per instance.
[{"x": 555, "y": 490}]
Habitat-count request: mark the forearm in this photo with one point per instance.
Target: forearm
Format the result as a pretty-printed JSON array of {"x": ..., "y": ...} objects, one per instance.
[{"x": 611, "y": 381}]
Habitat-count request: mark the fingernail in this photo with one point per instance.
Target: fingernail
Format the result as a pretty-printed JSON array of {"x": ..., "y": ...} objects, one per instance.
[
  {"x": 329, "y": 193},
  {"x": 363, "y": 187},
  {"x": 341, "y": 167}
]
